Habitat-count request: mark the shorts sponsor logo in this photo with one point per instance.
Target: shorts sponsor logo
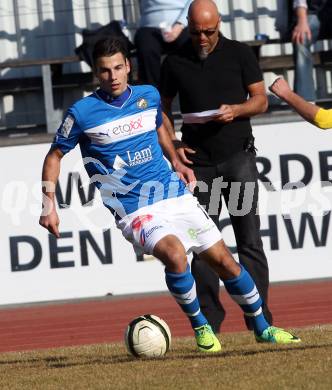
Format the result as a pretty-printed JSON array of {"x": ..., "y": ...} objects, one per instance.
[
  {"x": 144, "y": 235},
  {"x": 153, "y": 229},
  {"x": 67, "y": 126},
  {"x": 139, "y": 221},
  {"x": 194, "y": 233},
  {"x": 139, "y": 157}
]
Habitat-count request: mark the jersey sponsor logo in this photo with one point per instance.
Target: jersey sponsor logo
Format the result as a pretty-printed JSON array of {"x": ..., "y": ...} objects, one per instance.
[
  {"x": 139, "y": 221},
  {"x": 119, "y": 163},
  {"x": 142, "y": 103},
  {"x": 129, "y": 127},
  {"x": 67, "y": 126},
  {"x": 139, "y": 157},
  {"x": 123, "y": 128}
]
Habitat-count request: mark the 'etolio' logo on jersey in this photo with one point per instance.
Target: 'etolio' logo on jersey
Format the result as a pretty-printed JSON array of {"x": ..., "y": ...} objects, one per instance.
[
  {"x": 128, "y": 127},
  {"x": 139, "y": 157}
]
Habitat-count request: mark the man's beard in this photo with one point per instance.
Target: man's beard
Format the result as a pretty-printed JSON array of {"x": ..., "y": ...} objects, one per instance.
[{"x": 203, "y": 53}]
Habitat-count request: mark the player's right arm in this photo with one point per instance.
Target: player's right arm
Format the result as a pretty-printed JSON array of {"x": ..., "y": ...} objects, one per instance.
[
  {"x": 66, "y": 139},
  {"x": 49, "y": 218}
]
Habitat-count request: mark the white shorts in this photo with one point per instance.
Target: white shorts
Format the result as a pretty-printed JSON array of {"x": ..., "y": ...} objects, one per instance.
[{"x": 183, "y": 217}]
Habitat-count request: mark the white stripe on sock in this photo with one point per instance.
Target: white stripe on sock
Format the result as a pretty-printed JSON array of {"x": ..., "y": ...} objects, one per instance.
[
  {"x": 257, "y": 313},
  {"x": 247, "y": 299},
  {"x": 194, "y": 314},
  {"x": 186, "y": 298}
]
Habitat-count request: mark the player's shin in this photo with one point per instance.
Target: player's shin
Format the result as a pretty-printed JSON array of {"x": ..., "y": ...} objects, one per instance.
[
  {"x": 244, "y": 292},
  {"x": 183, "y": 288}
]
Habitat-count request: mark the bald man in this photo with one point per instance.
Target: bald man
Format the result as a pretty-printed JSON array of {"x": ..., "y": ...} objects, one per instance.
[{"x": 220, "y": 87}]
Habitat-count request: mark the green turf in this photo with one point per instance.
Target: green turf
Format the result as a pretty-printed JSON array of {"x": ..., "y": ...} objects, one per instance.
[{"x": 242, "y": 364}]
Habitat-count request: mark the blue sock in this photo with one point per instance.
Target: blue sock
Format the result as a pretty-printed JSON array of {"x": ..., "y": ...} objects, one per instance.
[
  {"x": 243, "y": 291},
  {"x": 183, "y": 288}
]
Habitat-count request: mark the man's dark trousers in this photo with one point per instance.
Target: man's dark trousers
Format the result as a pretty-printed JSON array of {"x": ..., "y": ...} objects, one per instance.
[
  {"x": 150, "y": 48},
  {"x": 241, "y": 168}
]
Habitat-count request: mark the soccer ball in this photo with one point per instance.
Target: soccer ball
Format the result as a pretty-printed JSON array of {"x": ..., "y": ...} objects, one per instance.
[{"x": 147, "y": 336}]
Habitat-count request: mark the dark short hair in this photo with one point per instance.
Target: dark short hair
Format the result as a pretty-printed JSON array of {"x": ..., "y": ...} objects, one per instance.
[{"x": 108, "y": 47}]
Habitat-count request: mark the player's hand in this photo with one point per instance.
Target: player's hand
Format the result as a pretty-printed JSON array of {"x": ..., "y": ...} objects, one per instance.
[
  {"x": 280, "y": 88},
  {"x": 172, "y": 35},
  {"x": 226, "y": 114},
  {"x": 186, "y": 175},
  {"x": 300, "y": 32},
  {"x": 51, "y": 222},
  {"x": 183, "y": 150}
]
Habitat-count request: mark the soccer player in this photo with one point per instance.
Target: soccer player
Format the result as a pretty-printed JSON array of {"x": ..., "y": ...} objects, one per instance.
[
  {"x": 123, "y": 142},
  {"x": 314, "y": 114}
]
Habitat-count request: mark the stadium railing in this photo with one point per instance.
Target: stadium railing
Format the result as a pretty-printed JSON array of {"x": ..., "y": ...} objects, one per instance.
[
  {"x": 51, "y": 78},
  {"x": 285, "y": 61}
]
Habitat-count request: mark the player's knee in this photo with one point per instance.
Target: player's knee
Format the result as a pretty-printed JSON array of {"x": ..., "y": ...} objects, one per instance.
[
  {"x": 172, "y": 254},
  {"x": 176, "y": 261}
]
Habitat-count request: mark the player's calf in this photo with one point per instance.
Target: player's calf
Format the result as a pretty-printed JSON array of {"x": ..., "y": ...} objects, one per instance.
[{"x": 219, "y": 257}]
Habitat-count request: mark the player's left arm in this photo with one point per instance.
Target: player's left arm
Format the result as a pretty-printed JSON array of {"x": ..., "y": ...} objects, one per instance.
[
  {"x": 255, "y": 104},
  {"x": 186, "y": 174}
]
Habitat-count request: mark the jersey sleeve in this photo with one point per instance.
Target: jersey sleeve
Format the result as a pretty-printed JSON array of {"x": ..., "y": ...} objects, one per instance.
[
  {"x": 157, "y": 101},
  {"x": 67, "y": 135},
  {"x": 251, "y": 71},
  {"x": 167, "y": 85},
  {"x": 323, "y": 118}
]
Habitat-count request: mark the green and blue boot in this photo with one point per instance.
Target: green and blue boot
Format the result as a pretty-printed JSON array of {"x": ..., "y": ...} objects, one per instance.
[
  {"x": 277, "y": 336},
  {"x": 206, "y": 340}
]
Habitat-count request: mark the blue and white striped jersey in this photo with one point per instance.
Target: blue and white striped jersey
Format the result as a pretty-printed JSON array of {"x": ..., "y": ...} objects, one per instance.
[{"x": 120, "y": 148}]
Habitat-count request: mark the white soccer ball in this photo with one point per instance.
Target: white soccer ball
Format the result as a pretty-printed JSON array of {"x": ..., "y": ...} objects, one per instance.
[{"x": 147, "y": 336}]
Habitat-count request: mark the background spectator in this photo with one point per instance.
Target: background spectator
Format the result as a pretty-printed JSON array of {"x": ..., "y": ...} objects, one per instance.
[
  {"x": 162, "y": 29},
  {"x": 304, "y": 22}
]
